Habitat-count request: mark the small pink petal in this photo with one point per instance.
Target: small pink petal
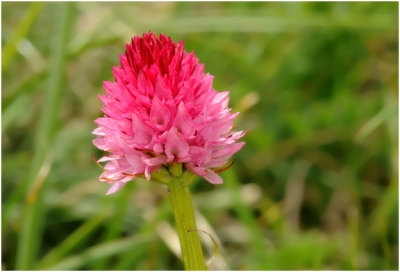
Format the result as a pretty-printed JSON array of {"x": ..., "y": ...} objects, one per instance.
[
  {"x": 198, "y": 153},
  {"x": 115, "y": 187},
  {"x": 208, "y": 174},
  {"x": 176, "y": 147},
  {"x": 147, "y": 172},
  {"x": 107, "y": 123},
  {"x": 228, "y": 150},
  {"x": 156, "y": 160},
  {"x": 142, "y": 134},
  {"x": 136, "y": 163},
  {"x": 212, "y": 177},
  {"x": 159, "y": 113},
  {"x": 100, "y": 131},
  {"x": 158, "y": 148},
  {"x": 221, "y": 98},
  {"x": 108, "y": 158},
  {"x": 162, "y": 91},
  {"x": 183, "y": 121},
  {"x": 201, "y": 171},
  {"x": 100, "y": 143}
]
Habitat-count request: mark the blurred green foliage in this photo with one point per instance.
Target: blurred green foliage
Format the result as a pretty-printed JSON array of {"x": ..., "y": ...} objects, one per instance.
[{"x": 315, "y": 187}]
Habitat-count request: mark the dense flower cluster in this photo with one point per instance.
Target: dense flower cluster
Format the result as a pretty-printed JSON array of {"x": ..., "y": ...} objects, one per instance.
[{"x": 163, "y": 109}]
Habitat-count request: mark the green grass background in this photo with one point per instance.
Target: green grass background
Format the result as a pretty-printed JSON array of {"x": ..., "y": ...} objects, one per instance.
[{"x": 315, "y": 187}]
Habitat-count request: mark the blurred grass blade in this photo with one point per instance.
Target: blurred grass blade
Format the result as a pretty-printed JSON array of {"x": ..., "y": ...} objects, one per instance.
[
  {"x": 258, "y": 248},
  {"x": 387, "y": 112},
  {"x": 125, "y": 260},
  {"x": 29, "y": 238},
  {"x": 14, "y": 110},
  {"x": 20, "y": 33},
  {"x": 93, "y": 44},
  {"x": 24, "y": 86},
  {"x": 116, "y": 225},
  {"x": 101, "y": 251},
  {"x": 71, "y": 242}
]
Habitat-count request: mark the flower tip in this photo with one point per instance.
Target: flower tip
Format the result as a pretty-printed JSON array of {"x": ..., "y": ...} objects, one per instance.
[
  {"x": 109, "y": 192},
  {"x": 115, "y": 187},
  {"x": 213, "y": 177}
]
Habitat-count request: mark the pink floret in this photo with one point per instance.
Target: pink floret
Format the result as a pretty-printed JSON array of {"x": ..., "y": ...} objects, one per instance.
[{"x": 163, "y": 109}]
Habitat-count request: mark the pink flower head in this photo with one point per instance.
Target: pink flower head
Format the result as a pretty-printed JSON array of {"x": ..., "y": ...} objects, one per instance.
[{"x": 163, "y": 109}]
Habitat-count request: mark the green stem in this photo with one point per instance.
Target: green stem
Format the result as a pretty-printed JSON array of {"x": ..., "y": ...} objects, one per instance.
[{"x": 182, "y": 206}]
